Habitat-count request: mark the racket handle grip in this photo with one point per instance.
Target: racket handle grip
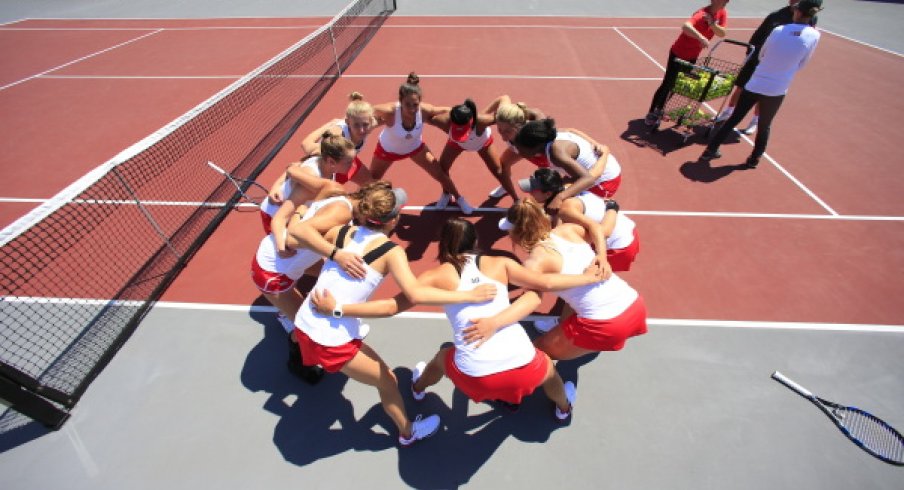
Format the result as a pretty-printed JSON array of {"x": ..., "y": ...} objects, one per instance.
[{"x": 781, "y": 378}]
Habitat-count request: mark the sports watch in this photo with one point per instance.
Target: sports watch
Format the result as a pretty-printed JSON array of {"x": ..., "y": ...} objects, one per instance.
[{"x": 337, "y": 310}]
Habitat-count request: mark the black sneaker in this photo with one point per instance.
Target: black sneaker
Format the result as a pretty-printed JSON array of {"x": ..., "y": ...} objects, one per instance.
[
  {"x": 511, "y": 407},
  {"x": 710, "y": 155},
  {"x": 309, "y": 374},
  {"x": 652, "y": 118},
  {"x": 752, "y": 161}
]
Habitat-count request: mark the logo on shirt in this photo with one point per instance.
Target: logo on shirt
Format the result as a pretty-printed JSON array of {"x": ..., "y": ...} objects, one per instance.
[{"x": 475, "y": 280}]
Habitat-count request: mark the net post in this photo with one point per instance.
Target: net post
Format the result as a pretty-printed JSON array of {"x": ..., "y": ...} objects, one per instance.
[{"x": 31, "y": 405}]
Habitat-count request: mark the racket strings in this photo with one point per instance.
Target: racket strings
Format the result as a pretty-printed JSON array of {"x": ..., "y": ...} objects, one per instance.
[{"x": 872, "y": 433}]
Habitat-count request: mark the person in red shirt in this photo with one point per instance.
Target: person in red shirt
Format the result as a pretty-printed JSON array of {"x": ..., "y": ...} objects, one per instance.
[{"x": 694, "y": 38}]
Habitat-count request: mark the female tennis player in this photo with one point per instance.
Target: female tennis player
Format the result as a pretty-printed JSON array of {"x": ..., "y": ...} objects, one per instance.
[
  {"x": 504, "y": 365},
  {"x": 510, "y": 118},
  {"x": 359, "y": 122},
  {"x": 468, "y": 130},
  {"x": 402, "y": 137},
  {"x": 335, "y": 341},
  {"x": 600, "y": 173},
  {"x": 614, "y": 235},
  {"x": 605, "y": 314},
  {"x": 284, "y": 255},
  {"x": 336, "y": 156},
  {"x": 695, "y": 34}
]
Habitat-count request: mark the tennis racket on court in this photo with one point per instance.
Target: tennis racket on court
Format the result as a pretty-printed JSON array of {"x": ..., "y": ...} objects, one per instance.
[
  {"x": 866, "y": 430},
  {"x": 253, "y": 194}
]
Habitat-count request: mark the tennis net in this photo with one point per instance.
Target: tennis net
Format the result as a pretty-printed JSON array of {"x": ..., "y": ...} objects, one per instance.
[{"x": 79, "y": 272}]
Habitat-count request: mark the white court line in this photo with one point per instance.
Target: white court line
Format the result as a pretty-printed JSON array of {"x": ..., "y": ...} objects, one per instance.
[
  {"x": 861, "y": 42},
  {"x": 626, "y": 38},
  {"x": 781, "y": 169},
  {"x": 79, "y": 59},
  {"x": 200, "y": 28},
  {"x": 455, "y": 209},
  {"x": 509, "y": 77},
  {"x": 846, "y": 327},
  {"x": 853, "y": 327}
]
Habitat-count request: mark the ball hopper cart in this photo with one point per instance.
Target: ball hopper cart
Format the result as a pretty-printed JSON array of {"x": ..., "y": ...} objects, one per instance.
[{"x": 699, "y": 83}]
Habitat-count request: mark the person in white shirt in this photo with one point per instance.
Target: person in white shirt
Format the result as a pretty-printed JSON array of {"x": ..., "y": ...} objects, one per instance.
[
  {"x": 307, "y": 178},
  {"x": 614, "y": 235},
  {"x": 578, "y": 157},
  {"x": 786, "y": 51},
  {"x": 606, "y": 314}
]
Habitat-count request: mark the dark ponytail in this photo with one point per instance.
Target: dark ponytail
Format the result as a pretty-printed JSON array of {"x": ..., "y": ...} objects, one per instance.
[
  {"x": 536, "y": 133},
  {"x": 457, "y": 238}
]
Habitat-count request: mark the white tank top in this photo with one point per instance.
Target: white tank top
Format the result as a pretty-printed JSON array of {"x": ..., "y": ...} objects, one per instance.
[
  {"x": 595, "y": 208},
  {"x": 348, "y": 135},
  {"x": 324, "y": 329},
  {"x": 398, "y": 140},
  {"x": 599, "y": 301},
  {"x": 293, "y": 267},
  {"x": 508, "y": 348},
  {"x": 586, "y": 156},
  {"x": 475, "y": 142},
  {"x": 270, "y": 207}
]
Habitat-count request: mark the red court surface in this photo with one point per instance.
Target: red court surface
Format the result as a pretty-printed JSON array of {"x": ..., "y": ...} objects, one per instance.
[{"x": 815, "y": 238}]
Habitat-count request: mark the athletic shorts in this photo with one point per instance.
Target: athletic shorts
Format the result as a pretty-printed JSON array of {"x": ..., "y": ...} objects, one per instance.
[
  {"x": 461, "y": 146},
  {"x": 620, "y": 259},
  {"x": 381, "y": 154},
  {"x": 539, "y": 160},
  {"x": 509, "y": 386},
  {"x": 269, "y": 282},
  {"x": 606, "y": 189},
  {"x": 343, "y": 178},
  {"x": 607, "y": 335},
  {"x": 265, "y": 220},
  {"x": 332, "y": 358}
]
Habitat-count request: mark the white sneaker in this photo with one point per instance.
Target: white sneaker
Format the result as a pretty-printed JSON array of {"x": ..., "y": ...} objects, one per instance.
[
  {"x": 416, "y": 375},
  {"x": 287, "y": 324},
  {"x": 498, "y": 192},
  {"x": 724, "y": 115},
  {"x": 443, "y": 201},
  {"x": 750, "y": 129},
  {"x": 546, "y": 324},
  {"x": 463, "y": 205},
  {"x": 421, "y": 428},
  {"x": 571, "y": 392}
]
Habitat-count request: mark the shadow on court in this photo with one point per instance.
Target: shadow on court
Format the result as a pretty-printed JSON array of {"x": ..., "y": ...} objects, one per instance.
[
  {"x": 666, "y": 139},
  {"x": 467, "y": 442},
  {"x": 17, "y": 429},
  {"x": 318, "y": 422},
  {"x": 703, "y": 171},
  {"x": 307, "y": 414}
]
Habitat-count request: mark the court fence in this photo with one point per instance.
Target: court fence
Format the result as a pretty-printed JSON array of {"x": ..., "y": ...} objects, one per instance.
[{"x": 79, "y": 272}]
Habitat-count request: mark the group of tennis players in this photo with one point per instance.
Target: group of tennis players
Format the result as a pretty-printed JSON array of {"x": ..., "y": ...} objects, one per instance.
[{"x": 331, "y": 207}]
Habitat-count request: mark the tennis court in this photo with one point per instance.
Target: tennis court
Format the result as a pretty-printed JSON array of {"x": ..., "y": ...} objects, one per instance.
[{"x": 792, "y": 266}]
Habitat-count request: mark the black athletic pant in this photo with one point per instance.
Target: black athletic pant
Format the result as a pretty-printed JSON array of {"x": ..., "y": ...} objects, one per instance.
[
  {"x": 672, "y": 69},
  {"x": 768, "y": 109}
]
